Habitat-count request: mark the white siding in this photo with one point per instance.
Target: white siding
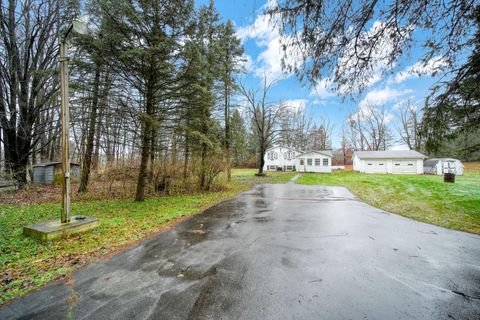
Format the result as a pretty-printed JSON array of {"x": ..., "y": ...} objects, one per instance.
[
  {"x": 358, "y": 164},
  {"x": 314, "y": 162},
  {"x": 419, "y": 166},
  {"x": 402, "y": 166},
  {"x": 388, "y": 165},
  {"x": 375, "y": 166},
  {"x": 280, "y": 161},
  {"x": 444, "y": 165}
]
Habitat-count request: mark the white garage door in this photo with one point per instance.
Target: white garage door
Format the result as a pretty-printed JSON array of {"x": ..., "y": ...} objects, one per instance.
[
  {"x": 375, "y": 166},
  {"x": 404, "y": 166}
]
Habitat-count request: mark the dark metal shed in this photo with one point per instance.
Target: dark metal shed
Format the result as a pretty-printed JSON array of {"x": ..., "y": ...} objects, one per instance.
[{"x": 48, "y": 173}]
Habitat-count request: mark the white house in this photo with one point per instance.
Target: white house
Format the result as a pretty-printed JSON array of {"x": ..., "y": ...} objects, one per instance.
[
  {"x": 288, "y": 159},
  {"x": 315, "y": 161},
  {"x": 443, "y": 165},
  {"x": 391, "y": 161},
  {"x": 280, "y": 158}
]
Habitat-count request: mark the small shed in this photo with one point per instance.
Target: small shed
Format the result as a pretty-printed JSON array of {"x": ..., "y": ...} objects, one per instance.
[
  {"x": 440, "y": 166},
  {"x": 48, "y": 173}
]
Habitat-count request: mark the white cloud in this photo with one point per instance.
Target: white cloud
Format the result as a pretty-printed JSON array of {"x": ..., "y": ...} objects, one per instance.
[
  {"x": 319, "y": 102},
  {"x": 295, "y": 104},
  {"x": 377, "y": 100},
  {"x": 380, "y": 51},
  {"x": 430, "y": 68},
  {"x": 322, "y": 89},
  {"x": 246, "y": 63},
  {"x": 261, "y": 30},
  {"x": 403, "y": 103},
  {"x": 367, "y": 111},
  {"x": 383, "y": 96},
  {"x": 267, "y": 37}
]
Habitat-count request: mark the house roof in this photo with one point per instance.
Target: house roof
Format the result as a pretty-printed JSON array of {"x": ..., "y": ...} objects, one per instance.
[
  {"x": 328, "y": 153},
  {"x": 390, "y": 154}
]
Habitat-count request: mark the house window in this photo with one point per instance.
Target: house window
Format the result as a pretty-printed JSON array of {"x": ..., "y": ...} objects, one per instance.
[
  {"x": 317, "y": 162},
  {"x": 380, "y": 164},
  {"x": 369, "y": 164},
  {"x": 325, "y": 162},
  {"x": 289, "y": 155},
  {"x": 410, "y": 164},
  {"x": 272, "y": 155},
  {"x": 301, "y": 162},
  {"x": 309, "y": 162},
  {"x": 397, "y": 164}
]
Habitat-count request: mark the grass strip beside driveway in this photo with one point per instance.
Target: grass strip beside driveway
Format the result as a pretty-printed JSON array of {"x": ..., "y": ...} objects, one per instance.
[
  {"x": 424, "y": 198},
  {"x": 27, "y": 264}
]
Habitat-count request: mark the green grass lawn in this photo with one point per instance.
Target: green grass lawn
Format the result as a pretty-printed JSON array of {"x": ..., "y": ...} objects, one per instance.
[
  {"x": 421, "y": 197},
  {"x": 26, "y": 264},
  {"x": 248, "y": 176}
]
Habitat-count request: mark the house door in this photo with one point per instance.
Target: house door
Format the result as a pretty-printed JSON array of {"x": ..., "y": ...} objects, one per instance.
[{"x": 302, "y": 167}]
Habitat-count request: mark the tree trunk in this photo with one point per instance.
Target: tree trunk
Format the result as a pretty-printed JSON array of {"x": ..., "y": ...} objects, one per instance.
[
  {"x": 187, "y": 154},
  {"x": 262, "y": 158},
  {"x": 152, "y": 155},
  {"x": 87, "y": 159},
  {"x": 227, "y": 134},
  {"x": 146, "y": 140}
]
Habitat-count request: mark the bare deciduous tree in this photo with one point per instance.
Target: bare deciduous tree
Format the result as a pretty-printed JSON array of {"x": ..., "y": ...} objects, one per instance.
[
  {"x": 409, "y": 127},
  {"x": 28, "y": 81},
  {"x": 321, "y": 136},
  {"x": 369, "y": 129},
  {"x": 294, "y": 127},
  {"x": 264, "y": 115}
]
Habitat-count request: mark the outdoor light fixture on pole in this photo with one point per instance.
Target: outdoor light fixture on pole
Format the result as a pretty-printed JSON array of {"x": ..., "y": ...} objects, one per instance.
[
  {"x": 54, "y": 229},
  {"x": 81, "y": 28}
]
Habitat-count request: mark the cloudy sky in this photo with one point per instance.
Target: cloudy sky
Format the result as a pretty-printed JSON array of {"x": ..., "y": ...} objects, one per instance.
[{"x": 262, "y": 50}]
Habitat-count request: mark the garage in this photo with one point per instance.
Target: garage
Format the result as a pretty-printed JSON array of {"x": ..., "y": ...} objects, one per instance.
[
  {"x": 404, "y": 166},
  {"x": 389, "y": 161},
  {"x": 375, "y": 166}
]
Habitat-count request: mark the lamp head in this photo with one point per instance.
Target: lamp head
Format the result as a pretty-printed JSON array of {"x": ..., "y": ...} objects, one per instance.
[{"x": 79, "y": 26}]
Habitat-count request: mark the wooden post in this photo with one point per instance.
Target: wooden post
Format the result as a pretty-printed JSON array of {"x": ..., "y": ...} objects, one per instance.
[{"x": 65, "y": 217}]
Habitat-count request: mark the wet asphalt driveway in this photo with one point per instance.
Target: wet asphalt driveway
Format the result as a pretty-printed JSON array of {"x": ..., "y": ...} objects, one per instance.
[{"x": 278, "y": 252}]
